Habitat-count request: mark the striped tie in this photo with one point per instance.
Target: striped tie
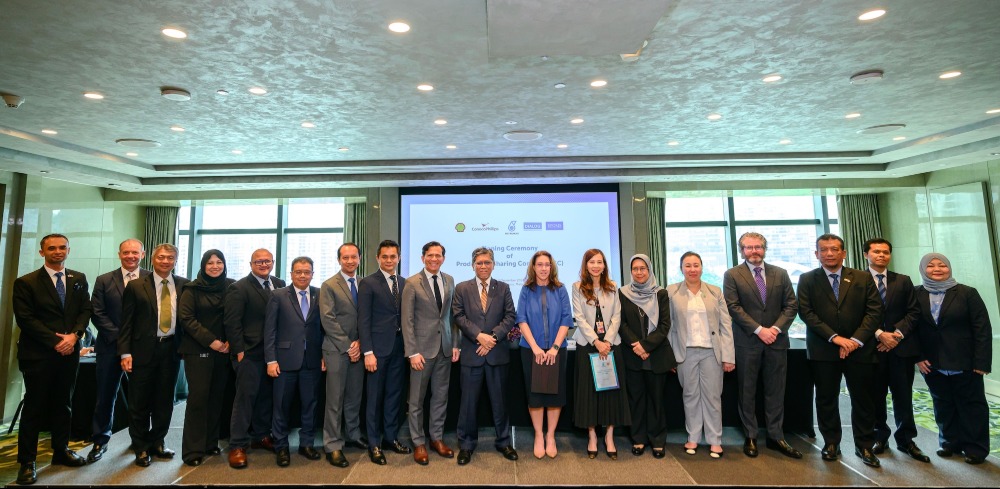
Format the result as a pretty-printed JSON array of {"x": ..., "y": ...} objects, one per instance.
[
  {"x": 836, "y": 285},
  {"x": 482, "y": 296},
  {"x": 760, "y": 284},
  {"x": 881, "y": 286}
]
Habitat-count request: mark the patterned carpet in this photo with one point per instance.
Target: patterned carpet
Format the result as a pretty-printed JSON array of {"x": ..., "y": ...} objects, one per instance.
[{"x": 923, "y": 414}]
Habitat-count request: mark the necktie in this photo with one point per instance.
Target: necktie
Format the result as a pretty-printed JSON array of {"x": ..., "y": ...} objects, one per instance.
[
  {"x": 483, "y": 296},
  {"x": 881, "y": 286},
  {"x": 304, "y": 304},
  {"x": 354, "y": 291},
  {"x": 437, "y": 292},
  {"x": 761, "y": 287},
  {"x": 166, "y": 315},
  {"x": 836, "y": 285},
  {"x": 60, "y": 288},
  {"x": 395, "y": 289},
  {"x": 129, "y": 277},
  {"x": 267, "y": 285}
]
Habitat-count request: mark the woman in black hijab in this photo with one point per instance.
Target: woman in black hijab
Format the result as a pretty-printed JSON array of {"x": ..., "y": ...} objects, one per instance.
[{"x": 206, "y": 356}]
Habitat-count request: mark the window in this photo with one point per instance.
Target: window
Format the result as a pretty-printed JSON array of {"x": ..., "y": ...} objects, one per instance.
[{"x": 709, "y": 242}]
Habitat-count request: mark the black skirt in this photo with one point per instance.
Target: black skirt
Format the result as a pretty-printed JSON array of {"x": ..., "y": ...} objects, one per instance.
[
  {"x": 544, "y": 400},
  {"x": 593, "y": 408}
]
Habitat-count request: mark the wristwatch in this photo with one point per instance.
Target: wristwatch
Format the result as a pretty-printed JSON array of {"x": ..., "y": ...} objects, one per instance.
[{"x": 556, "y": 346}]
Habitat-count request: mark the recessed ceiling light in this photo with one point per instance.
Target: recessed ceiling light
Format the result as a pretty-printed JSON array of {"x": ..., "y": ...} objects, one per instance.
[
  {"x": 576, "y": 121},
  {"x": 343, "y": 148},
  {"x": 867, "y": 76},
  {"x": 440, "y": 122},
  {"x": 993, "y": 111},
  {"x": 132, "y": 153},
  {"x": 399, "y": 27},
  {"x": 562, "y": 146},
  {"x": 174, "y": 33},
  {"x": 598, "y": 83},
  {"x": 853, "y": 115},
  {"x": 994, "y": 154},
  {"x": 43, "y": 171},
  {"x": 175, "y": 94},
  {"x": 308, "y": 125},
  {"x": 222, "y": 92},
  {"x": 771, "y": 78},
  {"x": 451, "y": 146},
  {"x": 714, "y": 117},
  {"x": 950, "y": 74},
  {"x": 785, "y": 141},
  {"x": 510, "y": 123},
  {"x": 113, "y": 185},
  {"x": 559, "y": 85},
  {"x": 425, "y": 87},
  {"x": 673, "y": 143},
  {"x": 237, "y": 151},
  {"x": 872, "y": 14},
  {"x": 177, "y": 128},
  {"x": 93, "y": 95},
  {"x": 899, "y": 138},
  {"x": 52, "y": 132},
  {"x": 257, "y": 90}
]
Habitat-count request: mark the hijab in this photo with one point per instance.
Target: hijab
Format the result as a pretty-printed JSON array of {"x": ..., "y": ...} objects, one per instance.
[
  {"x": 644, "y": 294},
  {"x": 204, "y": 282},
  {"x": 936, "y": 286}
]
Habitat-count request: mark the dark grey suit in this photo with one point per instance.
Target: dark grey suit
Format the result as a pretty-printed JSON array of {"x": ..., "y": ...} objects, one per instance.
[
  {"x": 753, "y": 357},
  {"x": 344, "y": 379},
  {"x": 427, "y": 330}
]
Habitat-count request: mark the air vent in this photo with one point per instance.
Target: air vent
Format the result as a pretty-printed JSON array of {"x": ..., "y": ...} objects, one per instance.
[{"x": 522, "y": 135}]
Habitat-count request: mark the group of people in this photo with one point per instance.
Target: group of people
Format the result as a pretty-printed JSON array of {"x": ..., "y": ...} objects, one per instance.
[{"x": 871, "y": 327}]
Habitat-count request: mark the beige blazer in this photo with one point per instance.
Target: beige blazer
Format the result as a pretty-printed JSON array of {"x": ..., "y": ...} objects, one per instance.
[
  {"x": 586, "y": 315},
  {"x": 719, "y": 323}
]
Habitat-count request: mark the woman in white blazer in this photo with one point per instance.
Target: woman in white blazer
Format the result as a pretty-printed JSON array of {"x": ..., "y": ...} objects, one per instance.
[
  {"x": 597, "y": 310},
  {"x": 702, "y": 339}
]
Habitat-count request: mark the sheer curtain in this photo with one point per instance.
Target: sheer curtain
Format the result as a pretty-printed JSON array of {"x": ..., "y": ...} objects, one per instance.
[
  {"x": 858, "y": 223},
  {"x": 657, "y": 241},
  {"x": 354, "y": 229},
  {"x": 161, "y": 227}
]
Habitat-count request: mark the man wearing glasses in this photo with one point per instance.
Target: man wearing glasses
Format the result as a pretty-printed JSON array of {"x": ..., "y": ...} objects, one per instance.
[
  {"x": 250, "y": 425},
  {"x": 763, "y": 306}
]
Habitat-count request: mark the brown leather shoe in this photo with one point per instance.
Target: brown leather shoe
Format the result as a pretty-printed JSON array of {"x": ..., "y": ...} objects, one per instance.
[
  {"x": 267, "y": 443},
  {"x": 442, "y": 449},
  {"x": 238, "y": 458},
  {"x": 420, "y": 455}
]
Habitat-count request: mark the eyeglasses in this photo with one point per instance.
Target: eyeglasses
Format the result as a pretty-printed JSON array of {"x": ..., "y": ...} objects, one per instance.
[
  {"x": 754, "y": 248},
  {"x": 483, "y": 263},
  {"x": 640, "y": 269},
  {"x": 262, "y": 263},
  {"x": 302, "y": 273}
]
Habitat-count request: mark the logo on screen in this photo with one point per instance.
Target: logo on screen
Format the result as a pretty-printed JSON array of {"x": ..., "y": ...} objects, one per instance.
[
  {"x": 485, "y": 227},
  {"x": 512, "y": 226},
  {"x": 554, "y": 226},
  {"x": 460, "y": 227},
  {"x": 532, "y": 226}
]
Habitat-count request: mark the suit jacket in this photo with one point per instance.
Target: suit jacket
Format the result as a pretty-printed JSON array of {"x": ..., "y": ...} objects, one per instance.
[
  {"x": 426, "y": 329},
  {"x": 498, "y": 318},
  {"x": 657, "y": 344},
  {"x": 379, "y": 315},
  {"x": 290, "y": 339},
  {"x": 719, "y": 323},
  {"x": 141, "y": 319},
  {"x": 338, "y": 313},
  {"x": 749, "y": 313},
  {"x": 107, "y": 304},
  {"x": 856, "y": 314},
  {"x": 586, "y": 316},
  {"x": 201, "y": 314},
  {"x": 962, "y": 337},
  {"x": 40, "y": 314},
  {"x": 901, "y": 313},
  {"x": 245, "y": 303}
]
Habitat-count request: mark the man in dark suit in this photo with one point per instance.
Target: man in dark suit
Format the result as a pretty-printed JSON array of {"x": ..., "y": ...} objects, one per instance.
[
  {"x": 292, "y": 349},
  {"x": 896, "y": 356},
  {"x": 431, "y": 347},
  {"x": 107, "y": 318},
  {"x": 52, "y": 309},
  {"x": 345, "y": 374},
  {"x": 484, "y": 312},
  {"x": 762, "y": 304},
  {"x": 842, "y": 309},
  {"x": 245, "y": 303},
  {"x": 379, "y": 329},
  {"x": 148, "y": 343}
]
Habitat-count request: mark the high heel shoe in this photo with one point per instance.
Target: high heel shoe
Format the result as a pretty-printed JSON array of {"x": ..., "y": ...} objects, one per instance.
[
  {"x": 613, "y": 455},
  {"x": 539, "y": 452},
  {"x": 591, "y": 454},
  {"x": 550, "y": 447}
]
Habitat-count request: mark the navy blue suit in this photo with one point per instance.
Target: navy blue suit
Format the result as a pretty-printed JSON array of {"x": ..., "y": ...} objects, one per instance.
[
  {"x": 379, "y": 330},
  {"x": 295, "y": 343}
]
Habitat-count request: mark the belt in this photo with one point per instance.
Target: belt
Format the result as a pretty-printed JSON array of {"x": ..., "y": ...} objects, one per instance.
[{"x": 161, "y": 339}]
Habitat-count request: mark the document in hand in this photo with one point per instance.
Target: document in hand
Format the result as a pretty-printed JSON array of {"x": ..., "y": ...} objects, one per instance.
[{"x": 605, "y": 374}]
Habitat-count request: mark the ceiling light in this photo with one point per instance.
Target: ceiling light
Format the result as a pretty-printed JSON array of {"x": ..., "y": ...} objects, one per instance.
[
  {"x": 673, "y": 143},
  {"x": 425, "y": 87},
  {"x": 867, "y": 76},
  {"x": 257, "y": 90},
  {"x": 576, "y": 121},
  {"x": 714, "y": 117},
  {"x": 175, "y": 94},
  {"x": 950, "y": 74},
  {"x": 343, "y": 148},
  {"x": 993, "y": 111},
  {"x": 872, "y": 14},
  {"x": 52, "y": 132},
  {"x": 853, "y": 115},
  {"x": 43, "y": 171},
  {"x": 598, "y": 83},
  {"x": 899, "y": 138},
  {"x": 562, "y": 146},
  {"x": 522, "y": 135},
  {"x": 451, "y": 146},
  {"x": 785, "y": 141},
  {"x": 132, "y": 153},
  {"x": 994, "y": 154},
  {"x": 222, "y": 92},
  {"x": 440, "y": 122},
  {"x": 174, "y": 33},
  {"x": 237, "y": 151},
  {"x": 113, "y": 185},
  {"x": 771, "y": 78},
  {"x": 559, "y": 85},
  {"x": 399, "y": 27},
  {"x": 510, "y": 123},
  {"x": 308, "y": 125},
  {"x": 177, "y": 128},
  {"x": 93, "y": 95}
]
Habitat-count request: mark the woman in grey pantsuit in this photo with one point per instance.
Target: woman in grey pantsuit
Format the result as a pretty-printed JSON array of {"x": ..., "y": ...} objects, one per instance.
[{"x": 702, "y": 339}]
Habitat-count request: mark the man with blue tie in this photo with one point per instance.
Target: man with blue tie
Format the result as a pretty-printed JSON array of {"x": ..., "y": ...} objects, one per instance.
[
  {"x": 345, "y": 374},
  {"x": 896, "y": 355},
  {"x": 292, "y": 340},
  {"x": 379, "y": 329},
  {"x": 842, "y": 309}
]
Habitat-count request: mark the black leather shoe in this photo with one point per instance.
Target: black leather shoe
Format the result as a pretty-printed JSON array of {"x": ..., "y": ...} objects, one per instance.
[
  {"x": 160, "y": 451},
  {"x": 310, "y": 453},
  {"x": 750, "y": 447},
  {"x": 638, "y": 451},
  {"x": 879, "y": 447},
  {"x": 214, "y": 451},
  {"x": 830, "y": 452},
  {"x": 194, "y": 462},
  {"x": 142, "y": 459},
  {"x": 659, "y": 453},
  {"x": 397, "y": 447},
  {"x": 283, "y": 458},
  {"x": 464, "y": 456},
  {"x": 945, "y": 452},
  {"x": 783, "y": 447},
  {"x": 867, "y": 456},
  {"x": 969, "y": 459},
  {"x": 360, "y": 443},
  {"x": 376, "y": 456},
  {"x": 68, "y": 458},
  {"x": 508, "y": 452},
  {"x": 915, "y": 452},
  {"x": 26, "y": 475},
  {"x": 96, "y": 453},
  {"x": 337, "y": 459}
]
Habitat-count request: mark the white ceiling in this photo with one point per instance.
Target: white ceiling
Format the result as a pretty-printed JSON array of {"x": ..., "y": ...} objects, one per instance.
[{"x": 334, "y": 63}]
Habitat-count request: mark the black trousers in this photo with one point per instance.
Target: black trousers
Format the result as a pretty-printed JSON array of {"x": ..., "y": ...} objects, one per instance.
[
  {"x": 961, "y": 412},
  {"x": 859, "y": 385},
  {"x": 472, "y": 378},
  {"x": 207, "y": 376},
  {"x": 253, "y": 404},
  {"x": 151, "y": 397},
  {"x": 48, "y": 392},
  {"x": 895, "y": 374},
  {"x": 385, "y": 391},
  {"x": 109, "y": 380},
  {"x": 647, "y": 399},
  {"x": 772, "y": 365}
]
